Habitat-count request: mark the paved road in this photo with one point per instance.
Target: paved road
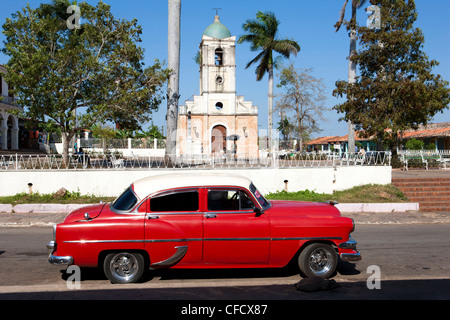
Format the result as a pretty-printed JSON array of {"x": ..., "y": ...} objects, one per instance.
[{"x": 414, "y": 261}]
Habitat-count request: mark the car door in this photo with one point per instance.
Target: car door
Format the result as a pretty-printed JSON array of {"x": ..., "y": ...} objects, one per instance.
[
  {"x": 174, "y": 228},
  {"x": 234, "y": 234}
]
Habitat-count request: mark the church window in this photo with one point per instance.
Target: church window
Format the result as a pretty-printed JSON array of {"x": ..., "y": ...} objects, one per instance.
[
  {"x": 219, "y": 57},
  {"x": 219, "y": 106},
  {"x": 219, "y": 80}
]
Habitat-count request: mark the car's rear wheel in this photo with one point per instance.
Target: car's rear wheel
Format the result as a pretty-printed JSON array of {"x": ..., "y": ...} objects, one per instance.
[
  {"x": 318, "y": 260},
  {"x": 124, "y": 267}
]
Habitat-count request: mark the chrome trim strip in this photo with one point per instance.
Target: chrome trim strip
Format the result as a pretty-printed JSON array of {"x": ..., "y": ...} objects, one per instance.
[
  {"x": 307, "y": 238},
  {"x": 200, "y": 239},
  {"x": 177, "y": 256},
  {"x": 132, "y": 241},
  {"x": 161, "y": 213},
  {"x": 101, "y": 241},
  {"x": 237, "y": 239},
  {"x": 174, "y": 240},
  {"x": 230, "y": 211}
]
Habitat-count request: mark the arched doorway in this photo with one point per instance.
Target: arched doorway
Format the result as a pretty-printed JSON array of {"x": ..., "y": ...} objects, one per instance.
[{"x": 218, "y": 139}]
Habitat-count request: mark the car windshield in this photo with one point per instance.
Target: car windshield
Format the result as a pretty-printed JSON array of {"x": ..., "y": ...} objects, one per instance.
[
  {"x": 262, "y": 201},
  {"x": 126, "y": 201}
]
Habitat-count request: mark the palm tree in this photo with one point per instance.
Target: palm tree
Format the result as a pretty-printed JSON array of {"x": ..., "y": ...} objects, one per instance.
[
  {"x": 262, "y": 36},
  {"x": 356, "y": 4},
  {"x": 173, "y": 85}
]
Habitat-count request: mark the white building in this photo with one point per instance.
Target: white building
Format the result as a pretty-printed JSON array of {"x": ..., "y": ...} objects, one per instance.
[
  {"x": 207, "y": 123},
  {"x": 9, "y": 123}
]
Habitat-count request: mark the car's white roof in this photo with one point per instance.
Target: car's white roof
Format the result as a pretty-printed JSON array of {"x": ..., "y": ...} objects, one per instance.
[{"x": 152, "y": 184}]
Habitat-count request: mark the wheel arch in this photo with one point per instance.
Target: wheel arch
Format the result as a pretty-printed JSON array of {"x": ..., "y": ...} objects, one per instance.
[{"x": 294, "y": 258}]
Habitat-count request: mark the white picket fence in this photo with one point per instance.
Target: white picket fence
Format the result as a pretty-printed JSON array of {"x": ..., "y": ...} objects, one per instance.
[{"x": 114, "y": 161}]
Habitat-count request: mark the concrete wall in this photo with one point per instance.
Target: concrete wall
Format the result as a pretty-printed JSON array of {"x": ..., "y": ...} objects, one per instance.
[{"x": 113, "y": 182}]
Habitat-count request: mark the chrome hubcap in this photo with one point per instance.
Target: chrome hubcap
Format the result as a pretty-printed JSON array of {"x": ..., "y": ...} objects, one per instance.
[
  {"x": 124, "y": 266},
  {"x": 320, "y": 261}
]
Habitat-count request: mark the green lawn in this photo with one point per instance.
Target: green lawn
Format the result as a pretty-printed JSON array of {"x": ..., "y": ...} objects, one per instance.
[
  {"x": 362, "y": 194},
  {"x": 69, "y": 197}
]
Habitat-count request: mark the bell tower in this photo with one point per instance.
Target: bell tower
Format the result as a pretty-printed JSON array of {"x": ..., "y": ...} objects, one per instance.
[
  {"x": 218, "y": 62},
  {"x": 207, "y": 122}
]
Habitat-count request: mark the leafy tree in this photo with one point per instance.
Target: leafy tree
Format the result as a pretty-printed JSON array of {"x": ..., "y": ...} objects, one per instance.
[
  {"x": 286, "y": 128},
  {"x": 303, "y": 96},
  {"x": 154, "y": 132},
  {"x": 75, "y": 75},
  {"x": 414, "y": 144},
  {"x": 396, "y": 89},
  {"x": 262, "y": 34}
]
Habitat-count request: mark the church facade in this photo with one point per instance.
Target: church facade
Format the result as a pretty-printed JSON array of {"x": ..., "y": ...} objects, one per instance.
[{"x": 218, "y": 121}]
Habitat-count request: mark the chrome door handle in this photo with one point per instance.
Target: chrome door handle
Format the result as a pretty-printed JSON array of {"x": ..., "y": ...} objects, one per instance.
[
  {"x": 210, "y": 215},
  {"x": 152, "y": 216}
]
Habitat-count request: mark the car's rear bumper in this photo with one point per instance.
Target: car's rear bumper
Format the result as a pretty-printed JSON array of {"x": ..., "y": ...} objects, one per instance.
[{"x": 51, "y": 246}]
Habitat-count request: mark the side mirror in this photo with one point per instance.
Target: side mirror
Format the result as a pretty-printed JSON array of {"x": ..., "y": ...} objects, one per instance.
[{"x": 258, "y": 211}]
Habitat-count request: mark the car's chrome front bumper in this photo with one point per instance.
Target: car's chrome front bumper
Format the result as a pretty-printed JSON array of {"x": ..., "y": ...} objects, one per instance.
[
  {"x": 353, "y": 256},
  {"x": 51, "y": 246}
]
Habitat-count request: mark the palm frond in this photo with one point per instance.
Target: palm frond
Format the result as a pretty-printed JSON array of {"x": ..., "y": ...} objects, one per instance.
[
  {"x": 341, "y": 16},
  {"x": 256, "y": 59},
  {"x": 286, "y": 47},
  {"x": 269, "y": 21},
  {"x": 263, "y": 67}
]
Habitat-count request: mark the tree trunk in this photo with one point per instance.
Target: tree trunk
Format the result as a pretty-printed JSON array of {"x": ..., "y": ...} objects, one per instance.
[
  {"x": 352, "y": 77},
  {"x": 173, "y": 85},
  {"x": 270, "y": 109},
  {"x": 66, "y": 138}
]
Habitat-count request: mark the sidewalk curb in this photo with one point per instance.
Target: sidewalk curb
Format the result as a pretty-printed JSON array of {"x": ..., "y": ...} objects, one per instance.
[
  {"x": 343, "y": 207},
  {"x": 40, "y": 208},
  {"x": 377, "y": 207}
]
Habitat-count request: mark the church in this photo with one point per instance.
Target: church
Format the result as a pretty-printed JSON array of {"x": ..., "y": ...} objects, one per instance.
[{"x": 218, "y": 122}]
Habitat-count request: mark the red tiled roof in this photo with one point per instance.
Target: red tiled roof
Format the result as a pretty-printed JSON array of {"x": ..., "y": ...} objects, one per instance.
[{"x": 432, "y": 130}]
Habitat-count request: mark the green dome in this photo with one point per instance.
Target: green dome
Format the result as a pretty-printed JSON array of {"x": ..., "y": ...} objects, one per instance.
[{"x": 217, "y": 30}]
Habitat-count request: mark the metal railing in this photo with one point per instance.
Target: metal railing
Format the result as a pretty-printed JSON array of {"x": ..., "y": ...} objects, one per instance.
[
  {"x": 425, "y": 158},
  {"x": 116, "y": 161}
]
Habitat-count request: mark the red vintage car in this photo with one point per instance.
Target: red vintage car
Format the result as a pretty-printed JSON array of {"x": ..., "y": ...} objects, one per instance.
[{"x": 202, "y": 221}]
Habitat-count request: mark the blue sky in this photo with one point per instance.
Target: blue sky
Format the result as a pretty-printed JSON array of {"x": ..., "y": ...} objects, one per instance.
[{"x": 310, "y": 23}]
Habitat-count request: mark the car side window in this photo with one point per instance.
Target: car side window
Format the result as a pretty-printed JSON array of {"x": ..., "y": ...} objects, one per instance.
[
  {"x": 126, "y": 201},
  {"x": 227, "y": 200},
  {"x": 176, "y": 201}
]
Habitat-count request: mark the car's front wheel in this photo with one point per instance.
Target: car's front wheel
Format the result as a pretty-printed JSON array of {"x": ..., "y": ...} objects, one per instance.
[
  {"x": 124, "y": 267},
  {"x": 318, "y": 260}
]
